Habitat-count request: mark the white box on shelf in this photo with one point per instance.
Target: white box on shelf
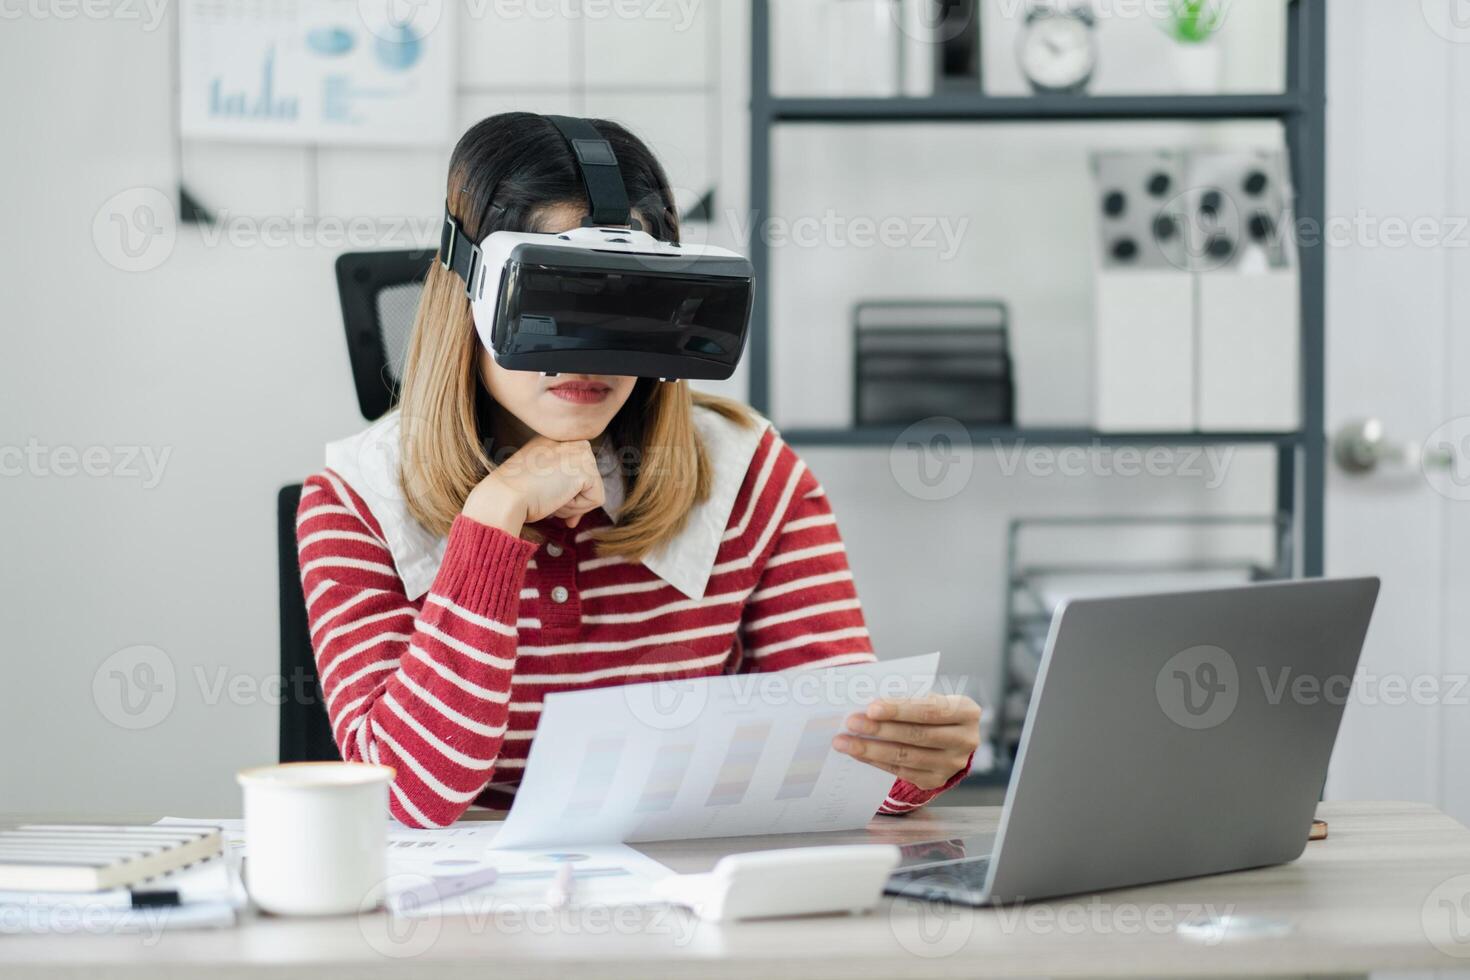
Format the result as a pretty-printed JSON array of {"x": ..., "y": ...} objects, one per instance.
[
  {"x": 1249, "y": 351},
  {"x": 1248, "y": 315},
  {"x": 1145, "y": 351},
  {"x": 1143, "y": 295},
  {"x": 1197, "y": 292}
]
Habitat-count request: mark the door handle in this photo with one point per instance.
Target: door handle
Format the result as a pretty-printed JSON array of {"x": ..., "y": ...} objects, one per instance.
[{"x": 1361, "y": 446}]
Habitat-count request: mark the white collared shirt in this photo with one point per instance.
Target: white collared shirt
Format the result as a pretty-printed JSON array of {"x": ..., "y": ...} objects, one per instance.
[{"x": 368, "y": 463}]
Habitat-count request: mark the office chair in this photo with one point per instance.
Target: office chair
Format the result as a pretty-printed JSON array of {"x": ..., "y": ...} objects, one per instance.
[
  {"x": 306, "y": 735},
  {"x": 380, "y": 295},
  {"x": 379, "y": 292}
]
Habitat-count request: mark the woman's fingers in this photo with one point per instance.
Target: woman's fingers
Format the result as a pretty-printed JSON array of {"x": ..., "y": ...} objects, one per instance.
[
  {"x": 922, "y": 778},
  {"x": 573, "y": 511},
  {"x": 592, "y": 493},
  {"x": 934, "y": 736},
  {"x": 546, "y": 475},
  {"x": 932, "y": 709},
  {"x": 561, "y": 479},
  {"x": 585, "y": 461},
  {"x": 924, "y": 740},
  {"x": 588, "y": 499},
  {"x": 894, "y": 753}
]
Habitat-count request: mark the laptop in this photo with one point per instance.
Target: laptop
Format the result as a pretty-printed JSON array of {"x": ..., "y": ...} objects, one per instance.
[{"x": 1169, "y": 736}]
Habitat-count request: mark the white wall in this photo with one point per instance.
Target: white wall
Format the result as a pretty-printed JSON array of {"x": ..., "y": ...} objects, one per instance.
[
  {"x": 216, "y": 357},
  {"x": 230, "y": 358}
]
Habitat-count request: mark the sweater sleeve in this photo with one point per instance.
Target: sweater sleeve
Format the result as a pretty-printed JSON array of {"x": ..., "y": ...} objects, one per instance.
[
  {"x": 805, "y": 611},
  {"x": 424, "y": 690}
]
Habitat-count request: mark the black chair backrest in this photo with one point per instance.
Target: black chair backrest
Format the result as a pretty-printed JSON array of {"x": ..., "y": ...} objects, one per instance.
[
  {"x": 380, "y": 298},
  {"x": 306, "y": 735},
  {"x": 379, "y": 292}
]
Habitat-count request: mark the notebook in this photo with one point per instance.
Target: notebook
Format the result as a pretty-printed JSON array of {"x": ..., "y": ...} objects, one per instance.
[{"x": 87, "y": 858}]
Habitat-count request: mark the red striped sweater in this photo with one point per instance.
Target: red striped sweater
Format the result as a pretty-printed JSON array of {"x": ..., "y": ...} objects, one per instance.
[{"x": 448, "y": 689}]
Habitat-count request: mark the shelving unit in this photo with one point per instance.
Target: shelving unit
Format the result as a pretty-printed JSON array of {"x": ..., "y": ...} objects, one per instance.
[
  {"x": 1301, "y": 108},
  {"x": 1030, "y": 602}
]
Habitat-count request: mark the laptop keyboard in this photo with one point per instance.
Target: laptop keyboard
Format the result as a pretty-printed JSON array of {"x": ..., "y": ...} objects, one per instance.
[{"x": 941, "y": 880}]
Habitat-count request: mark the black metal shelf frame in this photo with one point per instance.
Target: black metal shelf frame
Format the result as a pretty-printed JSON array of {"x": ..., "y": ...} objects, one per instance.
[
  {"x": 1301, "y": 108},
  {"x": 1038, "y": 108}
]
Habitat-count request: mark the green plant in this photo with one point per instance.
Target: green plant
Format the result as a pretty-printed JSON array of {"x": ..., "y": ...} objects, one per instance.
[{"x": 1194, "y": 21}]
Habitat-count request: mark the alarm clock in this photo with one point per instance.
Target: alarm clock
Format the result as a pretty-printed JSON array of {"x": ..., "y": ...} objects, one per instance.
[{"x": 1057, "y": 50}]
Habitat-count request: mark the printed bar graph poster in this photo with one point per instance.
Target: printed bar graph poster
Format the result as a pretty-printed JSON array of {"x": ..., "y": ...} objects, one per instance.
[{"x": 317, "y": 71}]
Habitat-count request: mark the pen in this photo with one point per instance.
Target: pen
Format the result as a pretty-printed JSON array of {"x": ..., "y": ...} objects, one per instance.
[
  {"x": 559, "y": 895},
  {"x": 154, "y": 898},
  {"x": 437, "y": 890}
]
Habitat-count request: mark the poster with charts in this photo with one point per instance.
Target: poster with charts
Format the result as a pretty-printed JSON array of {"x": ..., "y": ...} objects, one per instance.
[
  {"x": 359, "y": 72},
  {"x": 724, "y": 756}
]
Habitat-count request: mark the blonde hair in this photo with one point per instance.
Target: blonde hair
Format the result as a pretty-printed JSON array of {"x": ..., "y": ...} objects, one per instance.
[{"x": 443, "y": 452}]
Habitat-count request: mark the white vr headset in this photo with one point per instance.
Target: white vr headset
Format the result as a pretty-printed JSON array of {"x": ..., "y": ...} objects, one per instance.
[{"x": 606, "y": 298}]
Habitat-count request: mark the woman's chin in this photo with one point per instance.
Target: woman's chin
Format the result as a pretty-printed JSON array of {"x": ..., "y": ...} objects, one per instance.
[{"x": 575, "y": 426}]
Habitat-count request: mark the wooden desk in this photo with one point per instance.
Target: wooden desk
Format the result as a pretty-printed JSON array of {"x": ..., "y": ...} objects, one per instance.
[{"x": 1368, "y": 898}]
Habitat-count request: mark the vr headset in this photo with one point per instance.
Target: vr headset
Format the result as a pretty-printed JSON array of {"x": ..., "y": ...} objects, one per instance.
[{"x": 606, "y": 298}]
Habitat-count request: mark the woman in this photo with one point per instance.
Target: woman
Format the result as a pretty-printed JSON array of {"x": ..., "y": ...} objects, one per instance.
[{"x": 505, "y": 534}]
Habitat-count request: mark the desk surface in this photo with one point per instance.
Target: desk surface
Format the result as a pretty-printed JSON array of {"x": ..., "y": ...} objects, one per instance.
[{"x": 1377, "y": 895}]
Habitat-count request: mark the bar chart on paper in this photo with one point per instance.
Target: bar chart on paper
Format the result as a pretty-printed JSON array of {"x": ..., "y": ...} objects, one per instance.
[
  {"x": 709, "y": 757},
  {"x": 738, "y": 769}
]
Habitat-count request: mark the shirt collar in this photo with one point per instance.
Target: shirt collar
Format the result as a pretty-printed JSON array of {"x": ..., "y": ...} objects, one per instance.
[{"x": 368, "y": 463}]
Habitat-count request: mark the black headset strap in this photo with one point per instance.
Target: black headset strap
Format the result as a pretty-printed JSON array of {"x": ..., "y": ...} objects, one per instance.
[
  {"x": 457, "y": 253},
  {"x": 607, "y": 200}
]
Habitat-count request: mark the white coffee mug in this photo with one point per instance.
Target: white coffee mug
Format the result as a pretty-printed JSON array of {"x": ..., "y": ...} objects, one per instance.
[{"x": 316, "y": 836}]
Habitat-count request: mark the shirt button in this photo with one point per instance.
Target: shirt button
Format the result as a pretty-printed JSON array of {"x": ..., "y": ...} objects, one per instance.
[
  {"x": 560, "y": 594},
  {"x": 554, "y": 550}
]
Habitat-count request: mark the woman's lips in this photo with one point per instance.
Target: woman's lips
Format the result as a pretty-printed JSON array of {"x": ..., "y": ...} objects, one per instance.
[{"x": 581, "y": 392}]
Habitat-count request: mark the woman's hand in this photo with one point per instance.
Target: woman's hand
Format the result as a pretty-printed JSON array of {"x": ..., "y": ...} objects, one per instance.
[
  {"x": 543, "y": 479},
  {"x": 924, "y": 740}
]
